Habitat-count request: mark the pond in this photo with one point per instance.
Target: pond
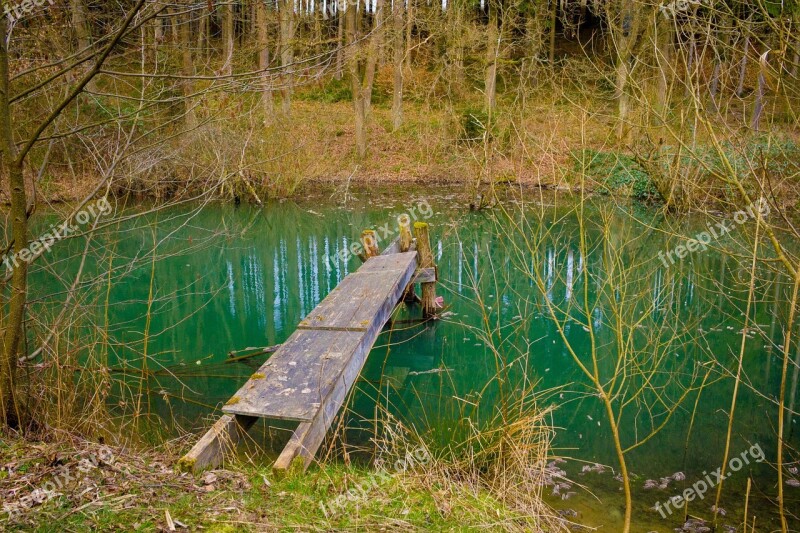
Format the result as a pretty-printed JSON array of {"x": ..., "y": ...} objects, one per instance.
[{"x": 226, "y": 278}]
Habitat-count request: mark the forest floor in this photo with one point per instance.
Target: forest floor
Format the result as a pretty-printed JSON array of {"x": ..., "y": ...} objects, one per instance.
[
  {"x": 531, "y": 143},
  {"x": 554, "y": 136},
  {"x": 80, "y": 486}
]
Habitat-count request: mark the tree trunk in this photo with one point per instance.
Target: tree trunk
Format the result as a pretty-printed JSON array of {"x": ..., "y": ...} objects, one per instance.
[
  {"x": 664, "y": 39},
  {"x": 202, "y": 38},
  {"x": 188, "y": 66},
  {"x": 9, "y": 406},
  {"x": 492, "y": 50},
  {"x": 743, "y": 65},
  {"x": 158, "y": 33},
  {"x": 621, "y": 85},
  {"x": 340, "y": 15},
  {"x": 551, "y": 56},
  {"x": 319, "y": 16},
  {"x": 713, "y": 87},
  {"x": 397, "y": 60},
  {"x": 796, "y": 45},
  {"x": 227, "y": 38},
  {"x": 625, "y": 29},
  {"x": 287, "y": 52},
  {"x": 691, "y": 79},
  {"x": 534, "y": 44},
  {"x": 263, "y": 59},
  {"x": 173, "y": 22},
  {"x": 456, "y": 36},
  {"x": 82, "y": 31},
  {"x": 409, "y": 32},
  {"x": 372, "y": 55},
  {"x": 355, "y": 80},
  {"x": 758, "y": 105}
]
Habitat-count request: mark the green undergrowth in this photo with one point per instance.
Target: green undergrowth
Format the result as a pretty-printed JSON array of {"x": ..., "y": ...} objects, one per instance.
[{"x": 615, "y": 173}]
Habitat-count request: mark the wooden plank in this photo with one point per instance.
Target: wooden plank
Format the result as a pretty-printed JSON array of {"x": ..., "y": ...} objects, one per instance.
[
  {"x": 292, "y": 384},
  {"x": 360, "y": 296},
  {"x": 393, "y": 248},
  {"x": 426, "y": 275},
  {"x": 309, "y": 435},
  {"x": 388, "y": 263},
  {"x": 219, "y": 441},
  {"x": 309, "y": 377}
]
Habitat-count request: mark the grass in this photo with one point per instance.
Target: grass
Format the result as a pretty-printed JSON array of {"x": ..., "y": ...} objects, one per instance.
[{"x": 136, "y": 489}]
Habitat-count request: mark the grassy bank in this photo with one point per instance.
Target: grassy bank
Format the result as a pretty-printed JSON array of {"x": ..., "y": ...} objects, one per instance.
[{"x": 139, "y": 490}]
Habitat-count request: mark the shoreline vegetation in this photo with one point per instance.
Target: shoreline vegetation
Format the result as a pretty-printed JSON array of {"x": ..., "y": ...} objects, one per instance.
[{"x": 558, "y": 151}]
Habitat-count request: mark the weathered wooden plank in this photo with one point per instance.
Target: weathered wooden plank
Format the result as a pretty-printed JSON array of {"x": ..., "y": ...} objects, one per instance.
[
  {"x": 354, "y": 303},
  {"x": 294, "y": 383},
  {"x": 393, "y": 247},
  {"x": 219, "y": 441},
  {"x": 426, "y": 275},
  {"x": 388, "y": 263},
  {"x": 309, "y": 435},
  {"x": 291, "y": 385}
]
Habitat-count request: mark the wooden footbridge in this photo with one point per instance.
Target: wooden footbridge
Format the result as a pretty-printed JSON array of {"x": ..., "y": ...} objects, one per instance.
[{"x": 308, "y": 378}]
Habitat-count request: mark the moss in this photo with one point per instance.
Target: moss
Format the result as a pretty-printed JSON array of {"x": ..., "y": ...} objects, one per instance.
[
  {"x": 420, "y": 225},
  {"x": 233, "y": 401},
  {"x": 186, "y": 464},
  {"x": 257, "y": 375}
]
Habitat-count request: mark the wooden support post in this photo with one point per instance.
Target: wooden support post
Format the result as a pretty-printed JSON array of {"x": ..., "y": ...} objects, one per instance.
[
  {"x": 369, "y": 241},
  {"x": 425, "y": 260},
  {"x": 405, "y": 233},
  {"x": 221, "y": 439},
  {"x": 404, "y": 242}
]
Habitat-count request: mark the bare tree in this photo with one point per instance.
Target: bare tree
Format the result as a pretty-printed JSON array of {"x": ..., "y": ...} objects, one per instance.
[
  {"x": 288, "y": 26},
  {"x": 14, "y": 156},
  {"x": 263, "y": 58},
  {"x": 397, "y": 63}
]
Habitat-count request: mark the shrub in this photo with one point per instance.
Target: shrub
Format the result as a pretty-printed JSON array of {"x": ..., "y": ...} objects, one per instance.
[{"x": 616, "y": 174}]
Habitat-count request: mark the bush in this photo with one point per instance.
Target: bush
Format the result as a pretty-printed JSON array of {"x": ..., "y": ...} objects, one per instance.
[
  {"x": 473, "y": 125},
  {"x": 331, "y": 92},
  {"x": 616, "y": 174}
]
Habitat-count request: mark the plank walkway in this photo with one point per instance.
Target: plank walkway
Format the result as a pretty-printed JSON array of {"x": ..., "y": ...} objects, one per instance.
[
  {"x": 307, "y": 379},
  {"x": 329, "y": 346}
]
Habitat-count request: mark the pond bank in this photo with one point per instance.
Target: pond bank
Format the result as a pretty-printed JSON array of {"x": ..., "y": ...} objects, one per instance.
[{"x": 75, "y": 485}]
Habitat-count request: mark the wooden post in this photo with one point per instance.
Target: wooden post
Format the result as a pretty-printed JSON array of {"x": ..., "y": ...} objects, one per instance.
[
  {"x": 404, "y": 243},
  {"x": 405, "y": 233},
  {"x": 369, "y": 241},
  {"x": 425, "y": 254}
]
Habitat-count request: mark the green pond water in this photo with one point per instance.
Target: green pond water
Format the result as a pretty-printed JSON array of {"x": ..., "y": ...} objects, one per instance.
[{"x": 227, "y": 278}]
